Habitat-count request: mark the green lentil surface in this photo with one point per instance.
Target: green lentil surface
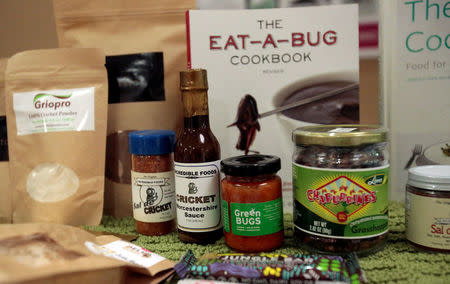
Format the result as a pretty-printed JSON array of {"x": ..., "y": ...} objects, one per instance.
[{"x": 397, "y": 263}]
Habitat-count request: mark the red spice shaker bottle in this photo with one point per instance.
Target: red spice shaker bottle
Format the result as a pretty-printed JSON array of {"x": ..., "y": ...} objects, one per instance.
[
  {"x": 252, "y": 205},
  {"x": 152, "y": 181}
]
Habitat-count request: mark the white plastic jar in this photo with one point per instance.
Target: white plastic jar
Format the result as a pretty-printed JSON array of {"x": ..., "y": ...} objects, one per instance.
[{"x": 428, "y": 208}]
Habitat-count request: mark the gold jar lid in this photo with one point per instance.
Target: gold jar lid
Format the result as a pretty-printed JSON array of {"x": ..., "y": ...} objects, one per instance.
[
  {"x": 193, "y": 79},
  {"x": 339, "y": 135}
]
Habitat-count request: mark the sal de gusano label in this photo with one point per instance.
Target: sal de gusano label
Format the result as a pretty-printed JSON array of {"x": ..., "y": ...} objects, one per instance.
[
  {"x": 341, "y": 203},
  {"x": 153, "y": 195},
  {"x": 198, "y": 196}
]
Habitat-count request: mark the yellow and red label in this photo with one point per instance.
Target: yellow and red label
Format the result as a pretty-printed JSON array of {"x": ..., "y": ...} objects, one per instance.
[{"x": 341, "y": 203}]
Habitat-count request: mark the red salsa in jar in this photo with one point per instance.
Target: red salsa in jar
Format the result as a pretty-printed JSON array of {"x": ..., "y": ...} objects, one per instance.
[{"x": 252, "y": 207}]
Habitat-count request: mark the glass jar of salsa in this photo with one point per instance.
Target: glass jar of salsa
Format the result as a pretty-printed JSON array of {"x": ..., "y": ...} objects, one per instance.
[{"x": 252, "y": 207}]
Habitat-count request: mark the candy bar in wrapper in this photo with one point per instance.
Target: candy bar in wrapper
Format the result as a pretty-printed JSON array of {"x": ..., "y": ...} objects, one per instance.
[{"x": 271, "y": 268}]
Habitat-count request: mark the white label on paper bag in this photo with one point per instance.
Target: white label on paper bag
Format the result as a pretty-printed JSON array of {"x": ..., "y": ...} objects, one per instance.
[
  {"x": 127, "y": 252},
  {"x": 54, "y": 110}
]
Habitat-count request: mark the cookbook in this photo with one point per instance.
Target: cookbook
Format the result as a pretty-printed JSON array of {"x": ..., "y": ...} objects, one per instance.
[
  {"x": 415, "y": 77},
  {"x": 260, "y": 60}
]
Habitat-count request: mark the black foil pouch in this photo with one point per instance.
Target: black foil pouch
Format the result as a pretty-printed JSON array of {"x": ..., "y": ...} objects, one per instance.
[
  {"x": 3, "y": 140},
  {"x": 135, "y": 77}
]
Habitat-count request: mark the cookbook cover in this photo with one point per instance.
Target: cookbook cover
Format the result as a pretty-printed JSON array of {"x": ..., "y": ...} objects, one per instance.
[
  {"x": 261, "y": 60},
  {"x": 415, "y": 85}
]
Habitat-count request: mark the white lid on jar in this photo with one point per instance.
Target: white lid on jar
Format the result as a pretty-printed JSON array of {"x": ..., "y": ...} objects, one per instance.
[{"x": 433, "y": 177}]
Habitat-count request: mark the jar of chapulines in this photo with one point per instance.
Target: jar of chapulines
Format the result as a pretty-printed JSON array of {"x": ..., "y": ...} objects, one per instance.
[
  {"x": 252, "y": 207},
  {"x": 340, "y": 180},
  {"x": 152, "y": 181},
  {"x": 427, "y": 216}
]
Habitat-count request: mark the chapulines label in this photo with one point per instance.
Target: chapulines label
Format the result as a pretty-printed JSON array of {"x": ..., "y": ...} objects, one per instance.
[{"x": 341, "y": 203}]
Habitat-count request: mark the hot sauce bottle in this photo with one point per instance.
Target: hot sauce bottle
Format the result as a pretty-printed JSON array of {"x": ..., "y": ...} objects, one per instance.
[{"x": 197, "y": 165}]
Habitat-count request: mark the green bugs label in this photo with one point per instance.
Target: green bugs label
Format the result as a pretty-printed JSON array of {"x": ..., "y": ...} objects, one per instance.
[
  {"x": 341, "y": 203},
  {"x": 253, "y": 219}
]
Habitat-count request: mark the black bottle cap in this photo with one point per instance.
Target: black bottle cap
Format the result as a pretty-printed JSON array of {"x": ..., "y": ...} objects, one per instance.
[{"x": 251, "y": 165}]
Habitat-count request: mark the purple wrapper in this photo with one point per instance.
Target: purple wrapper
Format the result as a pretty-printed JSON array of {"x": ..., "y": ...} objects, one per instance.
[{"x": 271, "y": 268}]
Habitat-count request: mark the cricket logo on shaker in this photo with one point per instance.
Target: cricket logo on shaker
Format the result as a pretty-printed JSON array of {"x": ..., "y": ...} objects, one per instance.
[{"x": 152, "y": 196}]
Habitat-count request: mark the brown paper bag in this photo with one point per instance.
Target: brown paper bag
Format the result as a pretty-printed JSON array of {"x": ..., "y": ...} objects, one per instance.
[
  {"x": 146, "y": 46},
  {"x": 52, "y": 253},
  {"x": 56, "y": 102},
  {"x": 5, "y": 192}
]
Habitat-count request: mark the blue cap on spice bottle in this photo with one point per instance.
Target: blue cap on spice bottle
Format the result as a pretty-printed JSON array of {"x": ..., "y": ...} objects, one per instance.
[{"x": 151, "y": 142}]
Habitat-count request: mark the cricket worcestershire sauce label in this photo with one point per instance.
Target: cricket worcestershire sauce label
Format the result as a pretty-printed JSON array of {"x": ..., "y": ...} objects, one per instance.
[
  {"x": 350, "y": 203},
  {"x": 198, "y": 196}
]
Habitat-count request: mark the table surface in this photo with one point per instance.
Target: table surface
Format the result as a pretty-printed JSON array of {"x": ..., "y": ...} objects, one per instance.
[{"x": 396, "y": 263}]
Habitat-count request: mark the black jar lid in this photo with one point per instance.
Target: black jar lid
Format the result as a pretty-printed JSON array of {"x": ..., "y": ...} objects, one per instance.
[{"x": 251, "y": 165}]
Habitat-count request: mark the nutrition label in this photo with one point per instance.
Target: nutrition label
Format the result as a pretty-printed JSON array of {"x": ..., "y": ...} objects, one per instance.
[{"x": 320, "y": 227}]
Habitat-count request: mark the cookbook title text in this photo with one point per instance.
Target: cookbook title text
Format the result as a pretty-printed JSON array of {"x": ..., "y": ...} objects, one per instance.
[
  {"x": 272, "y": 40},
  {"x": 428, "y": 11}
]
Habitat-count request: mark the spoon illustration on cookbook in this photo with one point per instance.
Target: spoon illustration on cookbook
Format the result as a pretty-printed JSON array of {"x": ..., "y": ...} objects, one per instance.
[{"x": 326, "y": 103}]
